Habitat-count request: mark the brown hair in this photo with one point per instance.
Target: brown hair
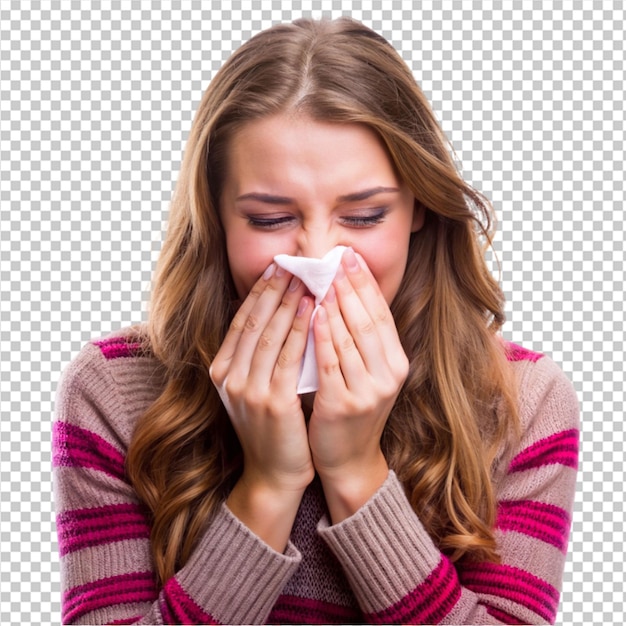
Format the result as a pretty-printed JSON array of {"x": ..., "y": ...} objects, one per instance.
[{"x": 457, "y": 407}]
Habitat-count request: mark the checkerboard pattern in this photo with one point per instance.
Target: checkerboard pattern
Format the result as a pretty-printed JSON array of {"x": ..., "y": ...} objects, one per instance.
[{"x": 96, "y": 100}]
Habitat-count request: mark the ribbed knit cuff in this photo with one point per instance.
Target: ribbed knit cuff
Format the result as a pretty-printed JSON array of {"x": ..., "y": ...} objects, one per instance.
[
  {"x": 383, "y": 548},
  {"x": 234, "y": 575}
]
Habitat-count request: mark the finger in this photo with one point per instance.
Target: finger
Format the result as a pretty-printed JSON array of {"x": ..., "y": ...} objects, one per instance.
[
  {"x": 369, "y": 293},
  {"x": 331, "y": 381},
  {"x": 254, "y": 328},
  {"x": 353, "y": 366},
  {"x": 221, "y": 362},
  {"x": 359, "y": 324},
  {"x": 289, "y": 361},
  {"x": 272, "y": 341}
]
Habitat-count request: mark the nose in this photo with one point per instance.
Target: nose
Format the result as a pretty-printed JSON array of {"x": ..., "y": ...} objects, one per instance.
[{"x": 315, "y": 242}]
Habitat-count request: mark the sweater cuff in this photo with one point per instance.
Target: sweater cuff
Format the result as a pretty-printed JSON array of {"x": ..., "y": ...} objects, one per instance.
[
  {"x": 383, "y": 548},
  {"x": 234, "y": 575}
]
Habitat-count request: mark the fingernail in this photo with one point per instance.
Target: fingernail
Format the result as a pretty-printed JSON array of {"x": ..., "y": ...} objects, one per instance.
[
  {"x": 340, "y": 272},
  {"x": 351, "y": 261},
  {"x": 330, "y": 294},
  {"x": 280, "y": 272},
  {"x": 302, "y": 307},
  {"x": 294, "y": 284},
  {"x": 321, "y": 315},
  {"x": 267, "y": 274}
]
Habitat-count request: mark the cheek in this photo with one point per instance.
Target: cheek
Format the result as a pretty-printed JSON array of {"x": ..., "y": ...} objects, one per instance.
[
  {"x": 386, "y": 258},
  {"x": 388, "y": 275},
  {"x": 387, "y": 264},
  {"x": 248, "y": 257}
]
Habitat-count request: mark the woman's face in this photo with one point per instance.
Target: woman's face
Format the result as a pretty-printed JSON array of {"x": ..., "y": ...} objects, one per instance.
[{"x": 301, "y": 187}]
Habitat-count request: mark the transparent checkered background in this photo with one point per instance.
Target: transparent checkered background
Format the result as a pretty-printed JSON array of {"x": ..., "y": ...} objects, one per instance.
[{"x": 96, "y": 100}]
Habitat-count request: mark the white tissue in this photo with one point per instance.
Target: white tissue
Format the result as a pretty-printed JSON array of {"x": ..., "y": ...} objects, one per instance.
[{"x": 317, "y": 275}]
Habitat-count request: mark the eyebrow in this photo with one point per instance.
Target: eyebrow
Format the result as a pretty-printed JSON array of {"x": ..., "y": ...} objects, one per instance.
[
  {"x": 265, "y": 197},
  {"x": 351, "y": 197},
  {"x": 367, "y": 193}
]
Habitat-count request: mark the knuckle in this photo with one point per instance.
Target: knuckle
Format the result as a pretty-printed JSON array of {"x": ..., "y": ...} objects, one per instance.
[
  {"x": 265, "y": 342},
  {"x": 369, "y": 405},
  {"x": 369, "y": 401},
  {"x": 391, "y": 384},
  {"x": 346, "y": 344},
  {"x": 359, "y": 405},
  {"x": 251, "y": 323},
  {"x": 255, "y": 398},
  {"x": 367, "y": 327},
  {"x": 300, "y": 325},
  {"x": 285, "y": 302},
  {"x": 273, "y": 286},
  {"x": 390, "y": 389},
  {"x": 401, "y": 368},
  {"x": 331, "y": 368},
  {"x": 389, "y": 392},
  {"x": 285, "y": 359},
  {"x": 257, "y": 289},
  {"x": 231, "y": 388},
  {"x": 217, "y": 374},
  {"x": 381, "y": 316},
  {"x": 230, "y": 384},
  {"x": 238, "y": 322}
]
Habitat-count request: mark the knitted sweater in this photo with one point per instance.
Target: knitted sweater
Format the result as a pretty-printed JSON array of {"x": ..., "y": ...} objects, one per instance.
[{"x": 379, "y": 565}]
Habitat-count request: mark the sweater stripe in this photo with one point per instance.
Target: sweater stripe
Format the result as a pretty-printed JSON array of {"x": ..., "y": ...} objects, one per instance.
[
  {"x": 546, "y": 522},
  {"x": 126, "y": 620},
  {"x": 138, "y": 587},
  {"x": 73, "y": 446},
  {"x": 179, "y": 608},
  {"x": 84, "y": 528},
  {"x": 296, "y": 610},
  {"x": 513, "y": 584},
  {"x": 502, "y": 616},
  {"x": 118, "y": 347},
  {"x": 428, "y": 603},
  {"x": 519, "y": 353},
  {"x": 104, "y": 531},
  {"x": 560, "y": 448}
]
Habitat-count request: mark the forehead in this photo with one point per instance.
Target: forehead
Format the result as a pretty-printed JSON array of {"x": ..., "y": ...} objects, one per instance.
[{"x": 282, "y": 148}]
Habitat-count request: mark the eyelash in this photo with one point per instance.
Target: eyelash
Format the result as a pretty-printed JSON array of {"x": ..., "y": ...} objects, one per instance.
[
  {"x": 355, "y": 221},
  {"x": 363, "y": 221},
  {"x": 268, "y": 223}
]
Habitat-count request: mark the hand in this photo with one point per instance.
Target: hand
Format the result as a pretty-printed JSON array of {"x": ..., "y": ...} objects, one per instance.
[
  {"x": 361, "y": 367},
  {"x": 256, "y": 371}
]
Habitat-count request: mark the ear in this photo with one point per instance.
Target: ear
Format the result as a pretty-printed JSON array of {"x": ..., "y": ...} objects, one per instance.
[{"x": 419, "y": 215}]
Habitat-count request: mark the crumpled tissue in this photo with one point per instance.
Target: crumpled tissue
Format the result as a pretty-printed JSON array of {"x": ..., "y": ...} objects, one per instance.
[{"x": 317, "y": 275}]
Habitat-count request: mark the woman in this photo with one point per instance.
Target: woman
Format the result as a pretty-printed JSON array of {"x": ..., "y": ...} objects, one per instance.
[{"x": 430, "y": 478}]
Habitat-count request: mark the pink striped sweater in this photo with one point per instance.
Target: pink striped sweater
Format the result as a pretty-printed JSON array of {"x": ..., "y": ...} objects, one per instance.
[{"x": 377, "y": 566}]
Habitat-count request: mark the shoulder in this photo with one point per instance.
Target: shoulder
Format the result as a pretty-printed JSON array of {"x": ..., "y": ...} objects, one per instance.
[
  {"x": 125, "y": 343},
  {"x": 109, "y": 360},
  {"x": 549, "y": 409},
  {"x": 109, "y": 384}
]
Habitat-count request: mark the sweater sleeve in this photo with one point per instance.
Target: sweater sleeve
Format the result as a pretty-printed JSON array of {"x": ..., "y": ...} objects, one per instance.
[
  {"x": 399, "y": 576},
  {"x": 107, "y": 572}
]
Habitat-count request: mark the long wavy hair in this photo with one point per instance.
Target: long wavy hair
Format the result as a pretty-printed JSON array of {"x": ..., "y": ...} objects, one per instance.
[{"x": 457, "y": 410}]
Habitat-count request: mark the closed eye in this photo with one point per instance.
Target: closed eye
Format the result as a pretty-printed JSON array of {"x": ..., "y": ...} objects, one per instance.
[
  {"x": 364, "y": 220},
  {"x": 269, "y": 223},
  {"x": 358, "y": 220}
]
